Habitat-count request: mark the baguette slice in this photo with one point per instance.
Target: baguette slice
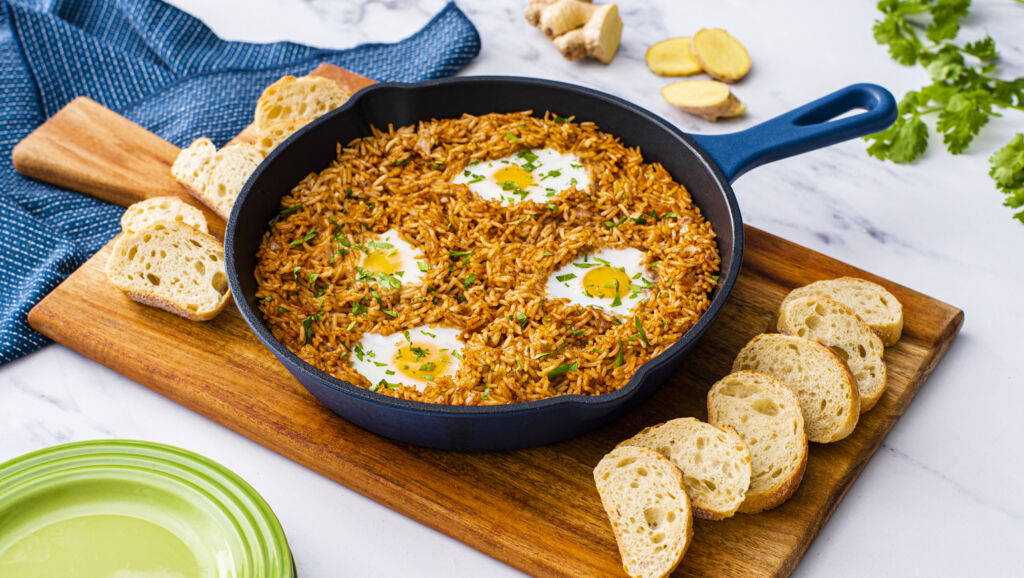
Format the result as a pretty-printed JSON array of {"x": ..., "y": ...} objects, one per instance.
[
  {"x": 293, "y": 98},
  {"x": 766, "y": 413},
  {"x": 648, "y": 507},
  {"x": 144, "y": 213},
  {"x": 829, "y": 399},
  {"x": 838, "y": 327},
  {"x": 275, "y": 134},
  {"x": 216, "y": 177},
  {"x": 870, "y": 301},
  {"x": 715, "y": 462},
  {"x": 172, "y": 266}
]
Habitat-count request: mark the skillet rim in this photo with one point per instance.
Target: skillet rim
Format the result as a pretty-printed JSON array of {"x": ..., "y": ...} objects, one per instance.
[{"x": 609, "y": 400}]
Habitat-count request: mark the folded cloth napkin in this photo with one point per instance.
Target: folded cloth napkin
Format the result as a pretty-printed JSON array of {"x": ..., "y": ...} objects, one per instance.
[{"x": 164, "y": 70}]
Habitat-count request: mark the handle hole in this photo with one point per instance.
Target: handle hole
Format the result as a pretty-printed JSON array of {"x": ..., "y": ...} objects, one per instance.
[{"x": 823, "y": 116}]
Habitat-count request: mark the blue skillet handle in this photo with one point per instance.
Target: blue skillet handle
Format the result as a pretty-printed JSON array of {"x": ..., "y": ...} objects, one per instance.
[{"x": 803, "y": 129}]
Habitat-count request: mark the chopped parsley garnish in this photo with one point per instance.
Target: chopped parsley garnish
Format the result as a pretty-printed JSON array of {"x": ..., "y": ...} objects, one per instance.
[
  {"x": 562, "y": 370},
  {"x": 423, "y": 266},
  {"x": 513, "y": 137},
  {"x": 566, "y": 277},
  {"x": 307, "y": 237},
  {"x": 468, "y": 281},
  {"x": 522, "y": 319},
  {"x": 551, "y": 174},
  {"x": 359, "y": 309},
  {"x": 640, "y": 331},
  {"x": 613, "y": 224},
  {"x": 388, "y": 281},
  {"x": 284, "y": 213},
  {"x": 307, "y": 324}
]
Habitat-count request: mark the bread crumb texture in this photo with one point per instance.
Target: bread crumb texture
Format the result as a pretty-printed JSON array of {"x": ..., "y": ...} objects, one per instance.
[
  {"x": 648, "y": 507},
  {"x": 715, "y": 462},
  {"x": 144, "y": 213},
  {"x": 172, "y": 266},
  {"x": 828, "y": 394},
  {"x": 766, "y": 413}
]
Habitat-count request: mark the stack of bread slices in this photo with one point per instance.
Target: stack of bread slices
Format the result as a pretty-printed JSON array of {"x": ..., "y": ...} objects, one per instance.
[
  {"x": 164, "y": 256},
  {"x": 810, "y": 382}
]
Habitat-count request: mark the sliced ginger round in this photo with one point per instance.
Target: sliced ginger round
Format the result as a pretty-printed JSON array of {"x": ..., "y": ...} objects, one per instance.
[
  {"x": 673, "y": 57},
  {"x": 708, "y": 99},
  {"x": 720, "y": 55}
]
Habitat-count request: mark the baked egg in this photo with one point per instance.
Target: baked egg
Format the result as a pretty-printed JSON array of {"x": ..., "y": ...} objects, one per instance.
[
  {"x": 534, "y": 175},
  {"x": 415, "y": 357},
  {"x": 610, "y": 279},
  {"x": 390, "y": 261}
]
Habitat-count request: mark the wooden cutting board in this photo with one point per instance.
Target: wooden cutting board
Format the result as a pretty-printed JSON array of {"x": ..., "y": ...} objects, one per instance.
[{"x": 534, "y": 509}]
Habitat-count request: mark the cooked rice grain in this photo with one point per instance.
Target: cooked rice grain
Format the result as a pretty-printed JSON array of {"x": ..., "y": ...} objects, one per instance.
[{"x": 401, "y": 179}]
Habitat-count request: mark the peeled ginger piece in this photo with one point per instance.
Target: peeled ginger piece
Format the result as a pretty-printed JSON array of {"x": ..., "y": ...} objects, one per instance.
[
  {"x": 708, "y": 99},
  {"x": 720, "y": 55},
  {"x": 673, "y": 57}
]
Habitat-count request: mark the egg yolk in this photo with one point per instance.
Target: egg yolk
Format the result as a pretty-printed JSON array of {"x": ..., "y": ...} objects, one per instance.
[
  {"x": 422, "y": 361},
  {"x": 514, "y": 174},
  {"x": 604, "y": 281},
  {"x": 382, "y": 261}
]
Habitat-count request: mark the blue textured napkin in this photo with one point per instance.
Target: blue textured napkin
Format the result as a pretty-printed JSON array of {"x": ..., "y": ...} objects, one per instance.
[{"x": 164, "y": 70}]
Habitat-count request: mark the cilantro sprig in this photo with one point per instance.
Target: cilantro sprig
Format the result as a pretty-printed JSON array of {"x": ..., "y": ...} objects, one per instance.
[{"x": 965, "y": 94}]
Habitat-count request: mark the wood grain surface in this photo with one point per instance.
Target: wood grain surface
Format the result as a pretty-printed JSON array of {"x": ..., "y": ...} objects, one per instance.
[{"x": 534, "y": 509}]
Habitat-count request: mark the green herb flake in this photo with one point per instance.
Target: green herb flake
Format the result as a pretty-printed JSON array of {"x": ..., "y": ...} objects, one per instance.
[
  {"x": 513, "y": 137},
  {"x": 522, "y": 319},
  {"x": 619, "y": 357}
]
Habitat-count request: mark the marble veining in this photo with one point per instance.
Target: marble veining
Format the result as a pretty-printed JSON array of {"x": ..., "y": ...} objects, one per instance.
[{"x": 941, "y": 498}]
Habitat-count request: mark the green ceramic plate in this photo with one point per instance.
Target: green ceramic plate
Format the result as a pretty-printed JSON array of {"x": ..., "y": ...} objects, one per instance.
[{"x": 118, "y": 508}]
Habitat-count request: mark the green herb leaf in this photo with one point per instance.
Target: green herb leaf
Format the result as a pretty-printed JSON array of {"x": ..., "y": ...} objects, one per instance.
[
  {"x": 522, "y": 319},
  {"x": 1007, "y": 169},
  {"x": 284, "y": 213},
  {"x": 513, "y": 137},
  {"x": 619, "y": 357},
  {"x": 640, "y": 331},
  {"x": 562, "y": 370}
]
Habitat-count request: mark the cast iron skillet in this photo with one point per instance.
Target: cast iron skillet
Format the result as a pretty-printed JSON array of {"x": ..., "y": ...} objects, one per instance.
[{"x": 704, "y": 164}]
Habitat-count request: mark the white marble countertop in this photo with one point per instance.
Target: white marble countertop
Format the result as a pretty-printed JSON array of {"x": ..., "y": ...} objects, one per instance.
[{"x": 943, "y": 494}]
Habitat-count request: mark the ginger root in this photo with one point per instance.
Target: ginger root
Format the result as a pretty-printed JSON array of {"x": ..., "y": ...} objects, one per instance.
[
  {"x": 577, "y": 27},
  {"x": 708, "y": 99},
  {"x": 672, "y": 57},
  {"x": 720, "y": 55}
]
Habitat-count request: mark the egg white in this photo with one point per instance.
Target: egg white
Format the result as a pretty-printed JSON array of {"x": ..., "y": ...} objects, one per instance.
[
  {"x": 552, "y": 173},
  {"x": 410, "y": 262},
  {"x": 374, "y": 356},
  {"x": 568, "y": 281}
]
